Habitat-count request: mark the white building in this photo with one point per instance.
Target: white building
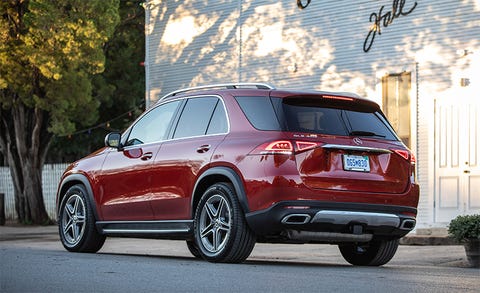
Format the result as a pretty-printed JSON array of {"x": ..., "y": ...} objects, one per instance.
[{"x": 419, "y": 59}]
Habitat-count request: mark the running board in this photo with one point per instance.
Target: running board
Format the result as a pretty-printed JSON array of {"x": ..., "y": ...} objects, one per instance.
[{"x": 147, "y": 229}]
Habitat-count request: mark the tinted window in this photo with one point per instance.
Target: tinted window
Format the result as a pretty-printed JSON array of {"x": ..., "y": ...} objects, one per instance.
[
  {"x": 368, "y": 124},
  {"x": 218, "y": 123},
  {"x": 316, "y": 116},
  {"x": 315, "y": 120},
  {"x": 195, "y": 117},
  {"x": 259, "y": 111},
  {"x": 153, "y": 125}
]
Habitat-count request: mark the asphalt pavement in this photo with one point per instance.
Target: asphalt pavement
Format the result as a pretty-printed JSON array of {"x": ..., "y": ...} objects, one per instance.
[{"x": 442, "y": 254}]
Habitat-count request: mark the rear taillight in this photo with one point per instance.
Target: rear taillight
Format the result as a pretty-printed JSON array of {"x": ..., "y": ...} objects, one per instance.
[
  {"x": 403, "y": 153},
  {"x": 409, "y": 156},
  {"x": 279, "y": 147},
  {"x": 284, "y": 147},
  {"x": 305, "y": 145}
]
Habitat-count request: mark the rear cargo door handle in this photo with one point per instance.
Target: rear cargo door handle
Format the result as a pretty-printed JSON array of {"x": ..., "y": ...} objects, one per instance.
[
  {"x": 147, "y": 156},
  {"x": 203, "y": 149}
]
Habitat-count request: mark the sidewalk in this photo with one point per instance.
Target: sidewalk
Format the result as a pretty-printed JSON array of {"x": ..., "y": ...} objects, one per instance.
[
  {"x": 433, "y": 250},
  {"x": 422, "y": 237}
]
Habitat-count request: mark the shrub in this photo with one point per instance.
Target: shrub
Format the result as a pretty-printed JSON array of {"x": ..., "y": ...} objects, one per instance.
[{"x": 465, "y": 227}]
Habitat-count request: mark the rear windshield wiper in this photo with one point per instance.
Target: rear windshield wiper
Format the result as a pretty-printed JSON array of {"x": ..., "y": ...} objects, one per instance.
[{"x": 364, "y": 133}]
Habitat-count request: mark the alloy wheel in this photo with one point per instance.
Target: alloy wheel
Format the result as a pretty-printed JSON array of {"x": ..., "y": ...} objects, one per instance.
[
  {"x": 215, "y": 224},
  {"x": 73, "y": 219}
]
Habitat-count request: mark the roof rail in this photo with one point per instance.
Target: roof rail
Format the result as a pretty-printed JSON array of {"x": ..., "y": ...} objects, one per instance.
[{"x": 221, "y": 85}]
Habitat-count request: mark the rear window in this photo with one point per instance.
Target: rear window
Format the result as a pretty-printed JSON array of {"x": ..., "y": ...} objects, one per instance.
[
  {"x": 324, "y": 117},
  {"x": 316, "y": 115}
]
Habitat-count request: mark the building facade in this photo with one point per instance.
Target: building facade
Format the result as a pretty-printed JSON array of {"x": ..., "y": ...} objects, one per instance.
[{"x": 420, "y": 60}]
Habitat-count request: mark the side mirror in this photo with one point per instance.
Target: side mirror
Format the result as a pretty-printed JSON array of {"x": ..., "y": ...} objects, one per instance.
[{"x": 113, "y": 140}]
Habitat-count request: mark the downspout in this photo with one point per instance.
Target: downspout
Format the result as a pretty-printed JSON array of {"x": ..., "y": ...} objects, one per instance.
[
  {"x": 146, "y": 62},
  {"x": 239, "y": 25}
]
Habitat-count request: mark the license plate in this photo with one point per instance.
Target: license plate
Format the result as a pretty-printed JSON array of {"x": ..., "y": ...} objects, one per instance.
[{"x": 356, "y": 163}]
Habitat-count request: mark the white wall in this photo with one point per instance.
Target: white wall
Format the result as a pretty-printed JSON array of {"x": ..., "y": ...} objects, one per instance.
[{"x": 320, "y": 47}]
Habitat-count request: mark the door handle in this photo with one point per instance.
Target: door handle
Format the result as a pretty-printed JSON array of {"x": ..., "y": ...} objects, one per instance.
[
  {"x": 203, "y": 149},
  {"x": 466, "y": 171},
  {"x": 147, "y": 156}
]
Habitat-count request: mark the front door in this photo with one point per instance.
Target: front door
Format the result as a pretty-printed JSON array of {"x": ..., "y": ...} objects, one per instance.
[{"x": 457, "y": 158}]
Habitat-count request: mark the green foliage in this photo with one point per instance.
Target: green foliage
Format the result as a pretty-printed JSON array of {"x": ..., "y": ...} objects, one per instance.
[
  {"x": 465, "y": 227},
  {"x": 49, "y": 51},
  {"x": 120, "y": 89}
]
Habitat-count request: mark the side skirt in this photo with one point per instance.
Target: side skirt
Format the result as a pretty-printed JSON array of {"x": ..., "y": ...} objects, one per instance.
[{"x": 182, "y": 229}]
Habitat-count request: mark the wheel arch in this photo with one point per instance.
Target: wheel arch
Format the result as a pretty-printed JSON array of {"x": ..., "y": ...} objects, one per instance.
[
  {"x": 72, "y": 180},
  {"x": 219, "y": 174}
]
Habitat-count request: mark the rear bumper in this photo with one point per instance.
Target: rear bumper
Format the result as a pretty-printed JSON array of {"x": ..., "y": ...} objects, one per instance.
[{"x": 316, "y": 221}]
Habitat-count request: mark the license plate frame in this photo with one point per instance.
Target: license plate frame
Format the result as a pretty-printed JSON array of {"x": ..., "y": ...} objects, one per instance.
[{"x": 356, "y": 163}]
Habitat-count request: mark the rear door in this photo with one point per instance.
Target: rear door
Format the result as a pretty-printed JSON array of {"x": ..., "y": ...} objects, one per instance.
[{"x": 357, "y": 149}]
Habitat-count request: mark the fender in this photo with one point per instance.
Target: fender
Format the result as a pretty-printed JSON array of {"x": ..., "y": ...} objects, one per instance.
[
  {"x": 234, "y": 178},
  {"x": 71, "y": 180}
]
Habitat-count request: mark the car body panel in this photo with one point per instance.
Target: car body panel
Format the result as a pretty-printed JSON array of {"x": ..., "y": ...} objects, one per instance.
[{"x": 158, "y": 184}]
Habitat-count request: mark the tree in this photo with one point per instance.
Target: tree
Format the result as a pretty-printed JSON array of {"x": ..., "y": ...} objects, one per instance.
[
  {"x": 49, "y": 52},
  {"x": 120, "y": 89}
]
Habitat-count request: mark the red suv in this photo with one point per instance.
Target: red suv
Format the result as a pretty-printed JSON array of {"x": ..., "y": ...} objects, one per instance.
[{"x": 226, "y": 166}]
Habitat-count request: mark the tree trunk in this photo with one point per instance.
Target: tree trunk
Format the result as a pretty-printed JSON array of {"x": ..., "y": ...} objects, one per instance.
[{"x": 24, "y": 141}]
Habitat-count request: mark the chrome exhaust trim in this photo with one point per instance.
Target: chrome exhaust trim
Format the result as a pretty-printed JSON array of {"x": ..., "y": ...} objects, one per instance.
[
  {"x": 408, "y": 224},
  {"x": 296, "y": 219}
]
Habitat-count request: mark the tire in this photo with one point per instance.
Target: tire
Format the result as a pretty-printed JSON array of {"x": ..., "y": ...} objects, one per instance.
[
  {"x": 192, "y": 247},
  {"x": 374, "y": 253},
  {"x": 221, "y": 231},
  {"x": 76, "y": 222}
]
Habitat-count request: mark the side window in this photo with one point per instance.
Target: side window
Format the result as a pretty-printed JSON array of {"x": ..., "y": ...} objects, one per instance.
[
  {"x": 195, "y": 117},
  {"x": 153, "y": 125},
  {"x": 218, "y": 123},
  {"x": 259, "y": 111}
]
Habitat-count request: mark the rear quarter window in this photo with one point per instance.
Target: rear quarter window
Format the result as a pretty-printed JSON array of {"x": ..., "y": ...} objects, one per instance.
[{"x": 259, "y": 112}]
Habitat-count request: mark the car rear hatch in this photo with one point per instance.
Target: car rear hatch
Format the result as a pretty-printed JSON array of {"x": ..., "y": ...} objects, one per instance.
[{"x": 344, "y": 143}]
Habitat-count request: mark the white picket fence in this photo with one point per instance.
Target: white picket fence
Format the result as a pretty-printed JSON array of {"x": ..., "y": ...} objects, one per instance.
[{"x": 51, "y": 174}]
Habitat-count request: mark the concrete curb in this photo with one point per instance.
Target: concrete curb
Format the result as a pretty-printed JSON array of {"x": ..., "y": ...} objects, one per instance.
[
  {"x": 12, "y": 231},
  {"x": 428, "y": 240}
]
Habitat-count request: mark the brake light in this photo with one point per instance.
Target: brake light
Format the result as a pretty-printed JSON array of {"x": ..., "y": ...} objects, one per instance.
[
  {"x": 409, "y": 156},
  {"x": 283, "y": 147},
  {"x": 413, "y": 159},
  {"x": 306, "y": 145},
  {"x": 403, "y": 153},
  {"x": 337, "y": 98}
]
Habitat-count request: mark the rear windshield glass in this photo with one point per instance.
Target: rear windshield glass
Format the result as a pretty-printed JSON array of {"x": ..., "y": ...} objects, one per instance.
[{"x": 317, "y": 116}]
